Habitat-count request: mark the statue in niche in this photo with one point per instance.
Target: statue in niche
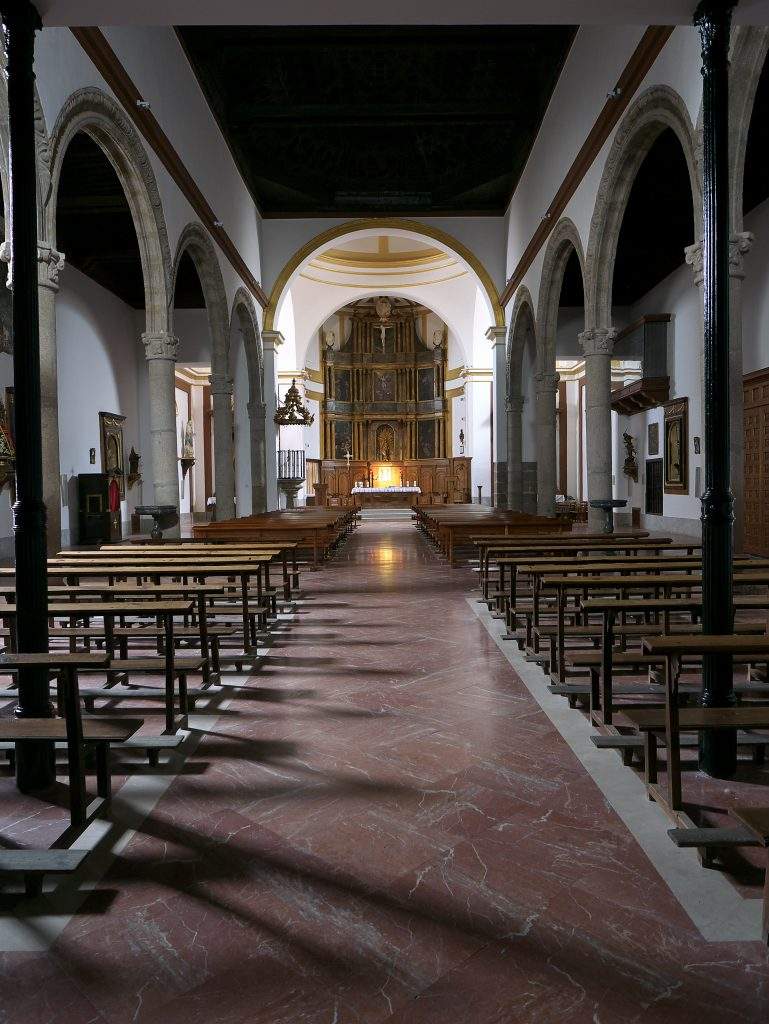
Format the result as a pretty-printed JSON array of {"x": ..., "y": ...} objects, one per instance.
[
  {"x": 630, "y": 468},
  {"x": 385, "y": 442}
]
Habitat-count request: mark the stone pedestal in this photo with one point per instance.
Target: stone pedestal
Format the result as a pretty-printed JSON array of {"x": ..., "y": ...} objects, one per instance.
[
  {"x": 597, "y": 346},
  {"x": 547, "y": 386}
]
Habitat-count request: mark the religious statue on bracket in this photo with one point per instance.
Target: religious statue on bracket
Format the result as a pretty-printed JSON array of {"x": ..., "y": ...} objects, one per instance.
[
  {"x": 385, "y": 442},
  {"x": 630, "y": 467},
  {"x": 134, "y": 467}
]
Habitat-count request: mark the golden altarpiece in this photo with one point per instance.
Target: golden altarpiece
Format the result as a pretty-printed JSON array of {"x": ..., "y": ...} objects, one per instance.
[{"x": 385, "y": 419}]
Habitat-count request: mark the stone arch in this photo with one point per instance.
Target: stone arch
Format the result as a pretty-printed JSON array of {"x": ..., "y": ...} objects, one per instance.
[
  {"x": 245, "y": 319},
  {"x": 381, "y": 223},
  {"x": 196, "y": 241},
  {"x": 92, "y": 111},
  {"x": 563, "y": 240},
  {"x": 522, "y": 322},
  {"x": 656, "y": 109},
  {"x": 522, "y": 327},
  {"x": 750, "y": 45}
]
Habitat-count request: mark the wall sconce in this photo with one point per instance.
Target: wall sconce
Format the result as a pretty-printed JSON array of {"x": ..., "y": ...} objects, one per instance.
[
  {"x": 92, "y": 456},
  {"x": 461, "y": 442}
]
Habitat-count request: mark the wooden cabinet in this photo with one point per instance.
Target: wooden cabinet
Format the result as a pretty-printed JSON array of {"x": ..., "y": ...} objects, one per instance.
[{"x": 756, "y": 479}]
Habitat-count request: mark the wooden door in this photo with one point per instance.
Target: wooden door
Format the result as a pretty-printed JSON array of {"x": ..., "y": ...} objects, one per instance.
[{"x": 756, "y": 480}]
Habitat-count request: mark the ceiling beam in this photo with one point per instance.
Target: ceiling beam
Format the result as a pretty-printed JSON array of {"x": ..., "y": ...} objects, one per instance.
[
  {"x": 636, "y": 69},
  {"x": 117, "y": 78}
]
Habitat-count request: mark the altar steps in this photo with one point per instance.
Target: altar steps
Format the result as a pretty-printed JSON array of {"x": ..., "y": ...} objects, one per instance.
[{"x": 386, "y": 515}]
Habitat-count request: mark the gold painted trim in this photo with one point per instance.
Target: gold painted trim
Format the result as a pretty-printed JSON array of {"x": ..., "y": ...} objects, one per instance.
[
  {"x": 456, "y": 373},
  {"x": 395, "y": 283},
  {"x": 314, "y": 396},
  {"x": 314, "y": 375},
  {"x": 405, "y": 259},
  {"x": 443, "y": 265},
  {"x": 381, "y": 223},
  {"x": 454, "y": 392}
]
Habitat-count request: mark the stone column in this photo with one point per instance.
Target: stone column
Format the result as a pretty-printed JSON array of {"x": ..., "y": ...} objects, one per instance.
[
  {"x": 515, "y": 453},
  {"x": 224, "y": 452},
  {"x": 160, "y": 350},
  {"x": 256, "y": 419},
  {"x": 597, "y": 346},
  {"x": 35, "y": 768},
  {"x": 49, "y": 265},
  {"x": 496, "y": 335},
  {"x": 271, "y": 342},
  {"x": 547, "y": 386}
]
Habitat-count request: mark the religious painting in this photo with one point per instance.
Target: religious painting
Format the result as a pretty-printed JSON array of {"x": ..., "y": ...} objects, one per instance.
[
  {"x": 653, "y": 439},
  {"x": 426, "y": 384},
  {"x": 342, "y": 385},
  {"x": 677, "y": 446},
  {"x": 111, "y": 433},
  {"x": 426, "y": 439},
  {"x": 342, "y": 438},
  {"x": 384, "y": 385}
]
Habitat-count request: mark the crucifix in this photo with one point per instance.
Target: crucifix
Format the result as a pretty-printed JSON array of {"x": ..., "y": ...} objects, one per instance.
[{"x": 348, "y": 456}]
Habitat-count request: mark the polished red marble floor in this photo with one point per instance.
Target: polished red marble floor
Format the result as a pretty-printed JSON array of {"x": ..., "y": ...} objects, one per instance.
[{"x": 384, "y": 827}]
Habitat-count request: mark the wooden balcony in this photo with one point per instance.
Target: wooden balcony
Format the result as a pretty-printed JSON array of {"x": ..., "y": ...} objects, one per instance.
[{"x": 642, "y": 394}]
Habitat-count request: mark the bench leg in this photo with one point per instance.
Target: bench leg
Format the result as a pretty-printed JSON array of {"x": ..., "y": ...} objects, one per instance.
[
  {"x": 103, "y": 773},
  {"x": 650, "y": 758}
]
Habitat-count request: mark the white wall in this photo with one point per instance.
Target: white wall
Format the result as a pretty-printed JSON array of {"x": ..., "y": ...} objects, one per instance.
[
  {"x": 755, "y": 293},
  {"x": 100, "y": 361}
]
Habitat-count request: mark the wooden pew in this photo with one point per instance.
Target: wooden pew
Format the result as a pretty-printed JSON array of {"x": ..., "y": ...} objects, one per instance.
[
  {"x": 76, "y": 732},
  {"x": 672, "y": 719}
]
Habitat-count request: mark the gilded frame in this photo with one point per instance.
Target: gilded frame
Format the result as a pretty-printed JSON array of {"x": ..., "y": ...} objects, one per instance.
[{"x": 676, "y": 439}]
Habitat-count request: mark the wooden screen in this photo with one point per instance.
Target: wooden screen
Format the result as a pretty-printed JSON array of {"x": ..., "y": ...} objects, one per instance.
[
  {"x": 756, "y": 484},
  {"x": 654, "y": 477}
]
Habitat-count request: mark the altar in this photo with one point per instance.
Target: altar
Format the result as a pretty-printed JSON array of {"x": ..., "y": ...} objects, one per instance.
[{"x": 385, "y": 497}]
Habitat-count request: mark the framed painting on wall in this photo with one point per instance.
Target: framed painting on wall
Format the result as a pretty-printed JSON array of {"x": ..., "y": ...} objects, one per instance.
[
  {"x": 112, "y": 461},
  {"x": 653, "y": 439},
  {"x": 677, "y": 446}
]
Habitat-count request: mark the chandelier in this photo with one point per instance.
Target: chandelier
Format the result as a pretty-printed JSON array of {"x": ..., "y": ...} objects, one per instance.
[{"x": 292, "y": 413}]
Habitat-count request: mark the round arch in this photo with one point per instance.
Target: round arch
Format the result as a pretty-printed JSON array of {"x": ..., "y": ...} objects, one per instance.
[
  {"x": 522, "y": 326},
  {"x": 196, "y": 241},
  {"x": 750, "y": 45},
  {"x": 562, "y": 242},
  {"x": 245, "y": 321},
  {"x": 380, "y": 223},
  {"x": 658, "y": 108},
  {"x": 91, "y": 111}
]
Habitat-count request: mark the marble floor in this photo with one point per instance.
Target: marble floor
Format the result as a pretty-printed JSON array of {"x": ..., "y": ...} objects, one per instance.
[{"x": 382, "y": 824}]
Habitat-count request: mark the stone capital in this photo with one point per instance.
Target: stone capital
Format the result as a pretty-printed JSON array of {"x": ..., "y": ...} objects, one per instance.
[
  {"x": 220, "y": 384},
  {"x": 547, "y": 383},
  {"x": 49, "y": 266},
  {"x": 258, "y": 410},
  {"x": 739, "y": 245},
  {"x": 160, "y": 345},
  {"x": 694, "y": 259},
  {"x": 497, "y": 335},
  {"x": 598, "y": 342},
  {"x": 271, "y": 341}
]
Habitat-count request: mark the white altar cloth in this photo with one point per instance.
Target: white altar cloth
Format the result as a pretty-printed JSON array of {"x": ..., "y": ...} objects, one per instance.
[{"x": 386, "y": 490}]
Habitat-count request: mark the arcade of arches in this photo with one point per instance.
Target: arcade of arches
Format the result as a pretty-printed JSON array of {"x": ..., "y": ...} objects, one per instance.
[{"x": 404, "y": 348}]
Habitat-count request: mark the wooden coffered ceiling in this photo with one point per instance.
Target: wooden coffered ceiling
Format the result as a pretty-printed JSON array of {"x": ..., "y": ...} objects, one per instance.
[{"x": 408, "y": 120}]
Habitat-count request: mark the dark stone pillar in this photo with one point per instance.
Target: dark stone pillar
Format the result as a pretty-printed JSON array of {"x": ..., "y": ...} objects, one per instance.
[
  {"x": 718, "y": 749},
  {"x": 35, "y": 765}
]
